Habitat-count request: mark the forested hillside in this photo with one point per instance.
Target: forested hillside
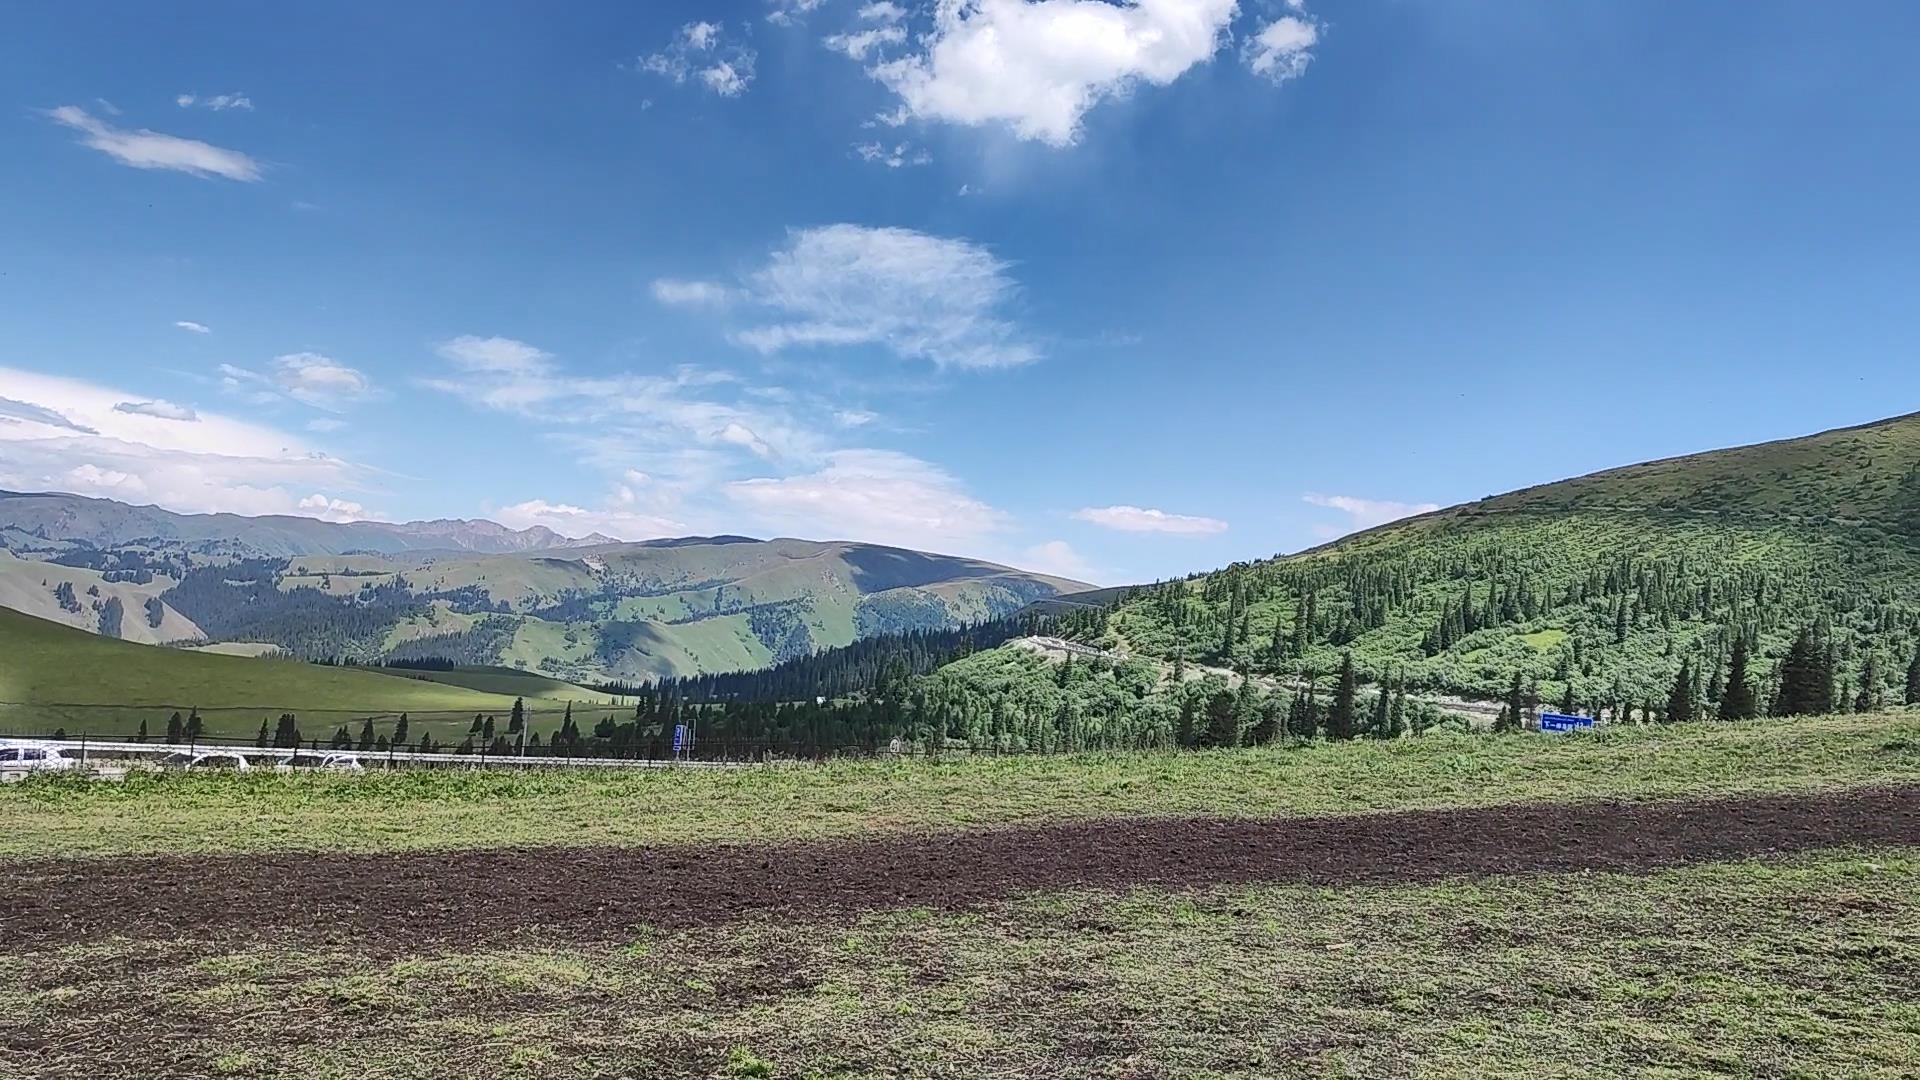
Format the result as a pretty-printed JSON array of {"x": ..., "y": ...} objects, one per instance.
[{"x": 1595, "y": 591}]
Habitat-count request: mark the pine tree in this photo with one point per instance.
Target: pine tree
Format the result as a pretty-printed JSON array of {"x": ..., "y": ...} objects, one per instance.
[
  {"x": 400, "y": 731},
  {"x": 1806, "y": 682},
  {"x": 1868, "y": 699},
  {"x": 176, "y": 730},
  {"x": 1514, "y": 710},
  {"x": 141, "y": 735},
  {"x": 1566, "y": 700},
  {"x": 518, "y": 718},
  {"x": 365, "y": 742},
  {"x": 1381, "y": 726},
  {"x": 1397, "y": 718},
  {"x": 1680, "y": 705},
  {"x": 260, "y": 740},
  {"x": 1913, "y": 680},
  {"x": 195, "y": 725},
  {"x": 1223, "y": 719},
  {"x": 1736, "y": 698},
  {"x": 1340, "y": 718}
]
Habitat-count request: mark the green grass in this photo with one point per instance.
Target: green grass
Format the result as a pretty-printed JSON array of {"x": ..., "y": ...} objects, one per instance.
[
  {"x": 56, "y": 676},
  {"x": 463, "y": 809},
  {"x": 1803, "y": 967}
]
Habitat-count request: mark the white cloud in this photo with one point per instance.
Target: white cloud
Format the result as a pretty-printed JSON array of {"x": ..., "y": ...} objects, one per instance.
[
  {"x": 216, "y": 102},
  {"x": 577, "y": 522},
  {"x": 81, "y": 441},
  {"x": 691, "y": 293},
  {"x": 883, "y": 11},
  {"x": 194, "y": 327},
  {"x": 496, "y": 354},
  {"x": 1366, "y": 513},
  {"x": 699, "y": 50},
  {"x": 1138, "y": 519},
  {"x": 328, "y": 509},
  {"x": 893, "y": 157},
  {"x": 1058, "y": 558},
  {"x": 788, "y": 12},
  {"x": 922, "y": 297},
  {"x": 854, "y": 417},
  {"x": 1284, "y": 47},
  {"x": 319, "y": 381},
  {"x": 145, "y": 149},
  {"x": 165, "y": 410},
  {"x": 1038, "y": 66},
  {"x": 325, "y": 424},
  {"x": 857, "y": 44},
  {"x": 874, "y": 495}
]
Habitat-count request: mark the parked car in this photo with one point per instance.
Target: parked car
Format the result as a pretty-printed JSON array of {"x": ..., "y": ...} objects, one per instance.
[
  {"x": 17, "y": 758},
  {"x": 206, "y": 761},
  {"x": 307, "y": 759}
]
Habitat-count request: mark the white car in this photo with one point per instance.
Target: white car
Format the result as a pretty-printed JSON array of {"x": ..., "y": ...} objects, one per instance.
[
  {"x": 20, "y": 758},
  {"x": 306, "y": 759},
  {"x": 206, "y": 761}
]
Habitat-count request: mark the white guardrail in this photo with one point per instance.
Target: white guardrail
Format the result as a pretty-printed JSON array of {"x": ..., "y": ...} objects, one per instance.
[{"x": 85, "y": 749}]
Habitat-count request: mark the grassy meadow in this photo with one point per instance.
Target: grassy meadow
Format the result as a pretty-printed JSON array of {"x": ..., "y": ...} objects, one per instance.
[{"x": 456, "y": 808}]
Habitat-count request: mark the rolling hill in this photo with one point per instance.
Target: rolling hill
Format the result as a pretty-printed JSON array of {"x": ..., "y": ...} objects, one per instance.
[{"x": 57, "y": 676}]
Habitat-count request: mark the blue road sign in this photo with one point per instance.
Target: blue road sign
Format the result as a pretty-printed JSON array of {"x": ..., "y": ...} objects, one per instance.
[
  {"x": 1553, "y": 721},
  {"x": 679, "y": 737}
]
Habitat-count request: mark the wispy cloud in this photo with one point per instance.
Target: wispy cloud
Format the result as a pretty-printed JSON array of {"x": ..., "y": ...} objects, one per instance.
[
  {"x": 144, "y": 149},
  {"x": 164, "y": 410},
  {"x": 681, "y": 293},
  {"x": 1365, "y": 513},
  {"x": 91, "y": 439},
  {"x": 699, "y": 51},
  {"x": 309, "y": 378},
  {"x": 893, "y": 157},
  {"x": 216, "y": 102},
  {"x": 194, "y": 327},
  {"x": 1144, "y": 520},
  {"x": 920, "y": 296},
  {"x": 872, "y": 494},
  {"x": 1283, "y": 48}
]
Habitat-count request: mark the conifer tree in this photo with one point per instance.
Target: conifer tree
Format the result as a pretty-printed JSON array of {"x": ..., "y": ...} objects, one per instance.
[
  {"x": 1737, "y": 698},
  {"x": 400, "y": 731},
  {"x": 1868, "y": 700},
  {"x": 1397, "y": 718},
  {"x": 141, "y": 735},
  {"x": 1806, "y": 682},
  {"x": 1680, "y": 699},
  {"x": 176, "y": 730},
  {"x": 260, "y": 740},
  {"x": 1340, "y": 718},
  {"x": 1913, "y": 679},
  {"x": 1514, "y": 710},
  {"x": 365, "y": 742}
]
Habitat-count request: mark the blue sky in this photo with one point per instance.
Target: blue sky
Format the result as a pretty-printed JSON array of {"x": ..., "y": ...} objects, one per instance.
[{"x": 1113, "y": 290}]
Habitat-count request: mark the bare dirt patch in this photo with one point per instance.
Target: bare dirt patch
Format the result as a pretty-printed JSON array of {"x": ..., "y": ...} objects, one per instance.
[{"x": 404, "y": 902}]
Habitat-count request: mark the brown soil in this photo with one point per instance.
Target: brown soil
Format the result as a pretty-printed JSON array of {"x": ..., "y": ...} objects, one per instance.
[{"x": 426, "y": 899}]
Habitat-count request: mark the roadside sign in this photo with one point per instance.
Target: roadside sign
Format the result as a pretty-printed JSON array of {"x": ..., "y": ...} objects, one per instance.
[
  {"x": 1553, "y": 721},
  {"x": 679, "y": 738}
]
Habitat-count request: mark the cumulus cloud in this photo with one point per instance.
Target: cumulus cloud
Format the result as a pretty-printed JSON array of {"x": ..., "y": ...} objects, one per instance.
[
  {"x": 1283, "y": 48},
  {"x": 789, "y": 12},
  {"x": 330, "y": 509},
  {"x": 319, "y": 381},
  {"x": 699, "y": 51},
  {"x": 165, "y": 410},
  {"x": 76, "y": 437},
  {"x": 193, "y": 327},
  {"x": 1140, "y": 519},
  {"x": 216, "y": 102},
  {"x": 922, "y": 297},
  {"x": 680, "y": 293},
  {"x": 144, "y": 149},
  {"x": 1365, "y": 513},
  {"x": 875, "y": 495},
  {"x": 1038, "y": 66}
]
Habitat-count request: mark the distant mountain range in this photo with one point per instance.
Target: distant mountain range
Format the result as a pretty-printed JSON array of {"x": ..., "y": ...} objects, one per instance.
[
  {"x": 105, "y": 523},
  {"x": 478, "y": 592}
]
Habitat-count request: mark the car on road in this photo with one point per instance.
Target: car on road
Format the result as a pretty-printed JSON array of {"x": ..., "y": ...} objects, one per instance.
[
  {"x": 206, "y": 761},
  {"x": 19, "y": 757},
  {"x": 334, "y": 762}
]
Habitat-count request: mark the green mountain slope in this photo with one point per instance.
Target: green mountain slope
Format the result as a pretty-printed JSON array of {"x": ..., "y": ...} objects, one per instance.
[
  {"x": 57, "y": 676},
  {"x": 1598, "y": 587}
]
